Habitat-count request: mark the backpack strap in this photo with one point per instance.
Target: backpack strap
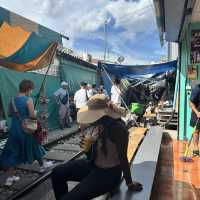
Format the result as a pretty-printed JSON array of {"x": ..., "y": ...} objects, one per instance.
[{"x": 86, "y": 94}]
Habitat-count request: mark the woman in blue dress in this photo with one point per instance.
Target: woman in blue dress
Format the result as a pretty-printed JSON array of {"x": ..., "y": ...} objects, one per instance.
[{"x": 21, "y": 147}]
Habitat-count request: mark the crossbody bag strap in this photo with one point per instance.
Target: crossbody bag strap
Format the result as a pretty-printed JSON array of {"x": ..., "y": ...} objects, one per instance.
[
  {"x": 87, "y": 98},
  {"x": 15, "y": 109}
]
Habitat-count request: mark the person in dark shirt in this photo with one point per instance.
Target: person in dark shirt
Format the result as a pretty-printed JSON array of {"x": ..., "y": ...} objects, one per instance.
[
  {"x": 101, "y": 172},
  {"x": 195, "y": 115}
]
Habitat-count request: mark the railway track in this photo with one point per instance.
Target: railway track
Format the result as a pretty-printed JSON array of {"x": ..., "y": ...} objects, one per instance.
[{"x": 62, "y": 150}]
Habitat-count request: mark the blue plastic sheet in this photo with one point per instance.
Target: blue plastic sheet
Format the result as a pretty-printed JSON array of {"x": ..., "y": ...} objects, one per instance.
[
  {"x": 131, "y": 72},
  {"x": 134, "y": 71}
]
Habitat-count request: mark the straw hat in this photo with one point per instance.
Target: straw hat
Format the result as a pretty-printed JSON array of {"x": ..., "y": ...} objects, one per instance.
[{"x": 96, "y": 108}]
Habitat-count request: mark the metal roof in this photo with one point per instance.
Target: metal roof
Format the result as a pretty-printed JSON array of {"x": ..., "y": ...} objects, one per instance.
[{"x": 170, "y": 18}]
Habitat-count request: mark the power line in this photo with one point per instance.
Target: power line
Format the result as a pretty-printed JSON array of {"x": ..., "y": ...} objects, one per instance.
[
  {"x": 139, "y": 11},
  {"x": 151, "y": 4},
  {"x": 105, "y": 39}
]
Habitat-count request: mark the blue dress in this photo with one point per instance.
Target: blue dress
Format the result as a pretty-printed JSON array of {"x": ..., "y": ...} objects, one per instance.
[{"x": 20, "y": 147}]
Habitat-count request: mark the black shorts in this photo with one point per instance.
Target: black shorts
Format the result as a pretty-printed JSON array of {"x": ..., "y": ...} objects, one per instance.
[{"x": 194, "y": 121}]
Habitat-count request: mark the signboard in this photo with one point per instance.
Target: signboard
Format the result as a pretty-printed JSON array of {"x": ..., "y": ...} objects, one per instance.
[
  {"x": 195, "y": 47},
  {"x": 192, "y": 72}
]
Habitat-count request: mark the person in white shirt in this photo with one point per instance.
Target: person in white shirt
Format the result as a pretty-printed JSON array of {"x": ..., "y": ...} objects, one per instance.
[
  {"x": 94, "y": 89},
  {"x": 102, "y": 90},
  {"x": 81, "y": 96},
  {"x": 62, "y": 100},
  {"x": 80, "y": 100},
  {"x": 116, "y": 92},
  {"x": 89, "y": 91}
]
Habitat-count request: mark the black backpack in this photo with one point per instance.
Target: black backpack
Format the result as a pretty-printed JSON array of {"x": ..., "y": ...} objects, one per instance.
[{"x": 65, "y": 99}]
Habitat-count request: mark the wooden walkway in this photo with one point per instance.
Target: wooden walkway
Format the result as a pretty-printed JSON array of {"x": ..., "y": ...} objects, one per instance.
[
  {"x": 176, "y": 180},
  {"x": 135, "y": 138}
]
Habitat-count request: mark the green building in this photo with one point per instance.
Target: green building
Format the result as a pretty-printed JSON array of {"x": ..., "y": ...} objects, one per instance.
[{"x": 179, "y": 21}]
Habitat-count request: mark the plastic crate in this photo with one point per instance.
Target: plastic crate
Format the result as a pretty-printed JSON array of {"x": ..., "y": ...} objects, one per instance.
[{"x": 137, "y": 108}]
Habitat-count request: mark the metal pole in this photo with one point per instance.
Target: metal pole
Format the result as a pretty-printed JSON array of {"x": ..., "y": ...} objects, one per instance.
[
  {"x": 105, "y": 39},
  {"x": 44, "y": 79}
]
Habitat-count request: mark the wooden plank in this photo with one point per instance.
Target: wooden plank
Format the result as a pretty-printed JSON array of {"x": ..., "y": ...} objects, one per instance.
[
  {"x": 67, "y": 147},
  {"x": 135, "y": 137},
  {"x": 59, "y": 156},
  {"x": 143, "y": 167},
  {"x": 137, "y": 130},
  {"x": 150, "y": 115}
]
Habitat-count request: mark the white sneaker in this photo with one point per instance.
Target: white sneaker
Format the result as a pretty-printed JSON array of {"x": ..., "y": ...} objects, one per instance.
[
  {"x": 46, "y": 165},
  {"x": 9, "y": 181},
  {"x": 16, "y": 178}
]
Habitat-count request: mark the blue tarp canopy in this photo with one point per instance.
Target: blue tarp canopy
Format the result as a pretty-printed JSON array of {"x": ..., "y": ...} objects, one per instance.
[
  {"x": 131, "y": 72},
  {"x": 136, "y": 71}
]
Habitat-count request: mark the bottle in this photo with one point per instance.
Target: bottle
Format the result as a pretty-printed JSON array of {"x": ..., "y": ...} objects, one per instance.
[{"x": 87, "y": 143}]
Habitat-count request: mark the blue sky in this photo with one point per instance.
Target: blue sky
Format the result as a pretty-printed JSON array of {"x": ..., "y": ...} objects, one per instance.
[{"x": 131, "y": 26}]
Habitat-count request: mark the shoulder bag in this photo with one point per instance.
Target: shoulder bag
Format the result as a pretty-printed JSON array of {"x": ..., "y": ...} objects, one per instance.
[{"x": 29, "y": 126}]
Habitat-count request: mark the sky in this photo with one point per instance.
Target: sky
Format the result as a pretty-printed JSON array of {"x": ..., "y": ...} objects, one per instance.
[{"x": 131, "y": 26}]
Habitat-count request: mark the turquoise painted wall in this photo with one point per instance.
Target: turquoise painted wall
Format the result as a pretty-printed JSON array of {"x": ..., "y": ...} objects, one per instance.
[
  {"x": 182, "y": 131},
  {"x": 74, "y": 74},
  {"x": 185, "y": 131}
]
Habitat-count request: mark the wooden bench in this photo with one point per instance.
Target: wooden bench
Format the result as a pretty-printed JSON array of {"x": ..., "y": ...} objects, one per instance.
[{"x": 143, "y": 168}]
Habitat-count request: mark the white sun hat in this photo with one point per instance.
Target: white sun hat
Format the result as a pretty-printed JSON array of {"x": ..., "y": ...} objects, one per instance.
[{"x": 63, "y": 83}]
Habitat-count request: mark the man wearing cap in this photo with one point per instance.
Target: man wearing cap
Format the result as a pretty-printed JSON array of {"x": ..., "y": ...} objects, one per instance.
[
  {"x": 62, "y": 100},
  {"x": 102, "y": 90}
]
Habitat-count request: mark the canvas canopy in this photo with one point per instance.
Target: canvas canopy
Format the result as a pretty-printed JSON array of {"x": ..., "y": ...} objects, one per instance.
[
  {"x": 22, "y": 50},
  {"x": 132, "y": 72}
]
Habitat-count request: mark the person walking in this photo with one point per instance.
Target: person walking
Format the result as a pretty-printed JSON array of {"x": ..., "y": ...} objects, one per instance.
[
  {"x": 116, "y": 92},
  {"x": 101, "y": 172},
  {"x": 81, "y": 96},
  {"x": 62, "y": 100},
  {"x": 89, "y": 91},
  {"x": 21, "y": 147},
  {"x": 80, "y": 99},
  {"x": 102, "y": 90},
  {"x": 94, "y": 89},
  {"x": 195, "y": 117}
]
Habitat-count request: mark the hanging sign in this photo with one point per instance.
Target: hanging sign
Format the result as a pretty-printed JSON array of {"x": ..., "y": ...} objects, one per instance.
[
  {"x": 192, "y": 72},
  {"x": 195, "y": 47}
]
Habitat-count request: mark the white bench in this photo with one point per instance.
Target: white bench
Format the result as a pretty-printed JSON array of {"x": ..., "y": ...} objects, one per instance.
[{"x": 143, "y": 167}]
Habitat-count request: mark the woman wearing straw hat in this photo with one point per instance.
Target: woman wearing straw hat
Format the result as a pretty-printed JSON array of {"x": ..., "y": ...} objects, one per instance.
[{"x": 102, "y": 172}]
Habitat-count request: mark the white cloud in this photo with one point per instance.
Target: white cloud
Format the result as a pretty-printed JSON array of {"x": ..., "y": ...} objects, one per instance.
[
  {"x": 162, "y": 51},
  {"x": 82, "y": 19},
  {"x": 77, "y": 17},
  {"x": 136, "y": 17}
]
